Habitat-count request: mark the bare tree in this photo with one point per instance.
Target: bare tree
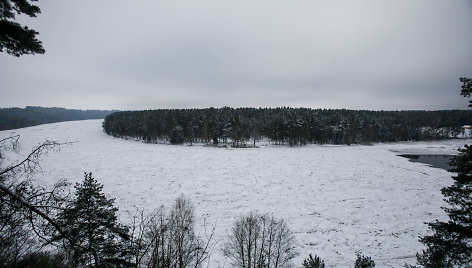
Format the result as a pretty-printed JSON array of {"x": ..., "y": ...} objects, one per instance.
[
  {"x": 139, "y": 245},
  {"x": 25, "y": 208},
  {"x": 158, "y": 236},
  {"x": 258, "y": 241},
  {"x": 172, "y": 239}
]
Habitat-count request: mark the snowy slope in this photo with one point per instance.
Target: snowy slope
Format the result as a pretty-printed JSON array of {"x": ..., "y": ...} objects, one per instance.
[{"x": 337, "y": 199}]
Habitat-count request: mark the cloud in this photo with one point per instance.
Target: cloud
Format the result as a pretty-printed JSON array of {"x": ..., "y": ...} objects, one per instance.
[{"x": 330, "y": 54}]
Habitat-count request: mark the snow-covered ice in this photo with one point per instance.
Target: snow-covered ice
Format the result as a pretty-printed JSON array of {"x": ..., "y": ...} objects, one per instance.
[{"x": 338, "y": 200}]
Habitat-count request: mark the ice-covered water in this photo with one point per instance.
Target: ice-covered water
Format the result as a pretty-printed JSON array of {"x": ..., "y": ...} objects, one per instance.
[{"x": 337, "y": 199}]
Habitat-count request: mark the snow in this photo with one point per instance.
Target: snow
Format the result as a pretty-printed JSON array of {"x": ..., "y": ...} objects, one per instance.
[{"x": 338, "y": 200}]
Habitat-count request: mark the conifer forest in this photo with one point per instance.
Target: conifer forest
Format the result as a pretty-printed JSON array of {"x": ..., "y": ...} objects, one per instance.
[{"x": 293, "y": 126}]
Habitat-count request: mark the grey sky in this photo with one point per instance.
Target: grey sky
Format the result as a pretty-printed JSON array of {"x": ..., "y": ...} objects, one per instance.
[{"x": 116, "y": 54}]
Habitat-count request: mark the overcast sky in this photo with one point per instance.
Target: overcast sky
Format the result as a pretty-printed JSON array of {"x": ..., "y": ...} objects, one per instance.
[{"x": 146, "y": 54}]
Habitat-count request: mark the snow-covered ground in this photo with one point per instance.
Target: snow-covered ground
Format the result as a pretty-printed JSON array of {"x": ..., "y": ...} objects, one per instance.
[{"x": 338, "y": 200}]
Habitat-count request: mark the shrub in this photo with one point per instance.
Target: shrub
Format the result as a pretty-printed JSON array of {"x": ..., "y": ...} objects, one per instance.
[
  {"x": 315, "y": 262},
  {"x": 364, "y": 262}
]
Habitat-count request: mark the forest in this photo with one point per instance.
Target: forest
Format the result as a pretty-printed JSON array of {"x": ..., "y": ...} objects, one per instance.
[
  {"x": 12, "y": 118},
  {"x": 293, "y": 126}
]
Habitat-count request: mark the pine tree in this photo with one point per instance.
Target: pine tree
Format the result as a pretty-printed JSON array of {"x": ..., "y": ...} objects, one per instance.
[
  {"x": 364, "y": 262},
  {"x": 451, "y": 243},
  {"x": 16, "y": 39},
  {"x": 315, "y": 262},
  {"x": 97, "y": 239},
  {"x": 466, "y": 88}
]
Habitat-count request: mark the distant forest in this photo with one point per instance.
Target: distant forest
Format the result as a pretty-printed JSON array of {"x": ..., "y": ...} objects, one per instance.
[
  {"x": 11, "y": 118},
  {"x": 293, "y": 126}
]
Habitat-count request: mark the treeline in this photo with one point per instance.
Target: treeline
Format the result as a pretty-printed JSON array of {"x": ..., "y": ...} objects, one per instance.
[
  {"x": 293, "y": 126},
  {"x": 12, "y": 118}
]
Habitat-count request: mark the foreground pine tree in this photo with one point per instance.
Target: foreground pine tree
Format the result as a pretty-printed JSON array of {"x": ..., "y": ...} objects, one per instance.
[
  {"x": 96, "y": 239},
  {"x": 451, "y": 243}
]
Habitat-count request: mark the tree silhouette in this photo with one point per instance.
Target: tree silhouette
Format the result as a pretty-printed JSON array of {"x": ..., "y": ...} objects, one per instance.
[
  {"x": 450, "y": 245},
  {"x": 16, "y": 39},
  {"x": 466, "y": 88},
  {"x": 90, "y": 220}
]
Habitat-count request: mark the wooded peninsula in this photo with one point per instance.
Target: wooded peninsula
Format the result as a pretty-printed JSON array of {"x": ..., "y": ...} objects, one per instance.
[{"x": 293, "y": 126}]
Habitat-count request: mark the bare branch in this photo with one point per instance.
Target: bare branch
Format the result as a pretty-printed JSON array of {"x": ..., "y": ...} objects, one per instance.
[
  {"x": 33, "y": 226},
  {"x": 14, "y": 143},
  {"x": 260, "y": 240},
  {"x": 32, "y": 209},
  {"x": 204, "y": 253},
  {"x": 37, "y": 200},
  {"x": 30, "y": 163}
]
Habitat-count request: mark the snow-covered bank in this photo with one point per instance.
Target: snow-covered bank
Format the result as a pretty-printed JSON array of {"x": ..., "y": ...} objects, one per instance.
[{"x": 337, "y": 199}]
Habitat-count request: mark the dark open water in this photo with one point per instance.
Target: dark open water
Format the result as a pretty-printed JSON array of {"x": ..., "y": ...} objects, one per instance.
[{"x": 433, "y": 160}]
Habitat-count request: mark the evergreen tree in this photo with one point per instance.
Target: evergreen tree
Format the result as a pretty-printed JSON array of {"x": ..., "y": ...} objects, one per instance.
[
  {"x": 97, "y": 239},
  {"x": 16, "y": 39},
  {"x": 315, "y": 262},
  {"x": 466, "y": 88},
  {"x": 177, "y": 135},
  {"x": 364, "y": 262},
  {"x": 451, "y": 243}
]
